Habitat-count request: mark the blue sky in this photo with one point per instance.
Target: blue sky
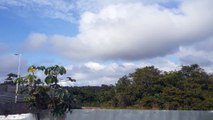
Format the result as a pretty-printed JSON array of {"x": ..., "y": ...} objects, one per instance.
[
  {"x": 22, "y": 26},
  {"x": 100, "y": 41}
]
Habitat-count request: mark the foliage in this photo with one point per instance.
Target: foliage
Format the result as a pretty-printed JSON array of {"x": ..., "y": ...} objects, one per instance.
[
  {"x": 94, "y": 96},
  {"x": 189, "y": 88},
  {"x": 46, "y": 94},
  {"x": 10, "y": 78}
]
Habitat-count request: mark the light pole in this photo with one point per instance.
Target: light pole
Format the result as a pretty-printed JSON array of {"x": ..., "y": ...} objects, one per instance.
[{"x": 19, "y": 68}]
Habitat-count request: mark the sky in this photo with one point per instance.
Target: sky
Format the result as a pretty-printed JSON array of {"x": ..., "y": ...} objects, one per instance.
[{"x": 99, "y": 41}]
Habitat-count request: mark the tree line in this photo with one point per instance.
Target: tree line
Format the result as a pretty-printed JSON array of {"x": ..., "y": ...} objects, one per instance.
[{"x": 190, "y": 88}]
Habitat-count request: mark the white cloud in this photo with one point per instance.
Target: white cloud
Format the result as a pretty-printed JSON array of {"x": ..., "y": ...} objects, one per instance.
[
  {"x": 94, "y": 66},
  {"x": 162, "y": 63},
  {"x": 96, "y": 5},
  {"x": 91, "y": 73},
  {"x": 199, "y": 53},
  {"x": 36, "y": 41},
  {"x": 205, "y": 45},
  {"x": 57, "y": 9},
  {"x": 9, "y": 64},
  {"x": 137, "y": 31}
]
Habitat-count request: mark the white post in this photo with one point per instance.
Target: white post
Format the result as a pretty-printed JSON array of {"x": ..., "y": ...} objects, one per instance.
[{"x": 19, "y": 68}]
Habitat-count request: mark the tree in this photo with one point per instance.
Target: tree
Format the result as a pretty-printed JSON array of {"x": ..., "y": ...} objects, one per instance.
[
  {"x": 189, "y": 88},
  {"x": 124, "y": 92},
  {"x": 10, "y": 78},
  {"x": 46, "y": 94},
  {"x": 145, "y": 81}
]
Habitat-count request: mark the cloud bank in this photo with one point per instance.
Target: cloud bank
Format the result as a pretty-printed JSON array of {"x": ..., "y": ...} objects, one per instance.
[
  {"x": 95, "y": 73},
  {"x": 136, "y": 31}
]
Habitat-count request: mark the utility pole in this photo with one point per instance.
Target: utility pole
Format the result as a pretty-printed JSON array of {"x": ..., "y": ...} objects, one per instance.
[{"x": 19, "y": 68}]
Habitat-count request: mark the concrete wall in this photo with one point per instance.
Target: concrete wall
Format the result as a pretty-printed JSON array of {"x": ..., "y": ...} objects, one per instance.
[{"x": 103, "y": 114}]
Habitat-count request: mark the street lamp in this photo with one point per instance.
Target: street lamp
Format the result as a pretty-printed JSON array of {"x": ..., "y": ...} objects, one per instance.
[{"x": 19, "y": 68}]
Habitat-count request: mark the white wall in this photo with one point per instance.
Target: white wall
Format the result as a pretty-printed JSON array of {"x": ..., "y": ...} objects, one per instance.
[{"x": 103, "y": 114}]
